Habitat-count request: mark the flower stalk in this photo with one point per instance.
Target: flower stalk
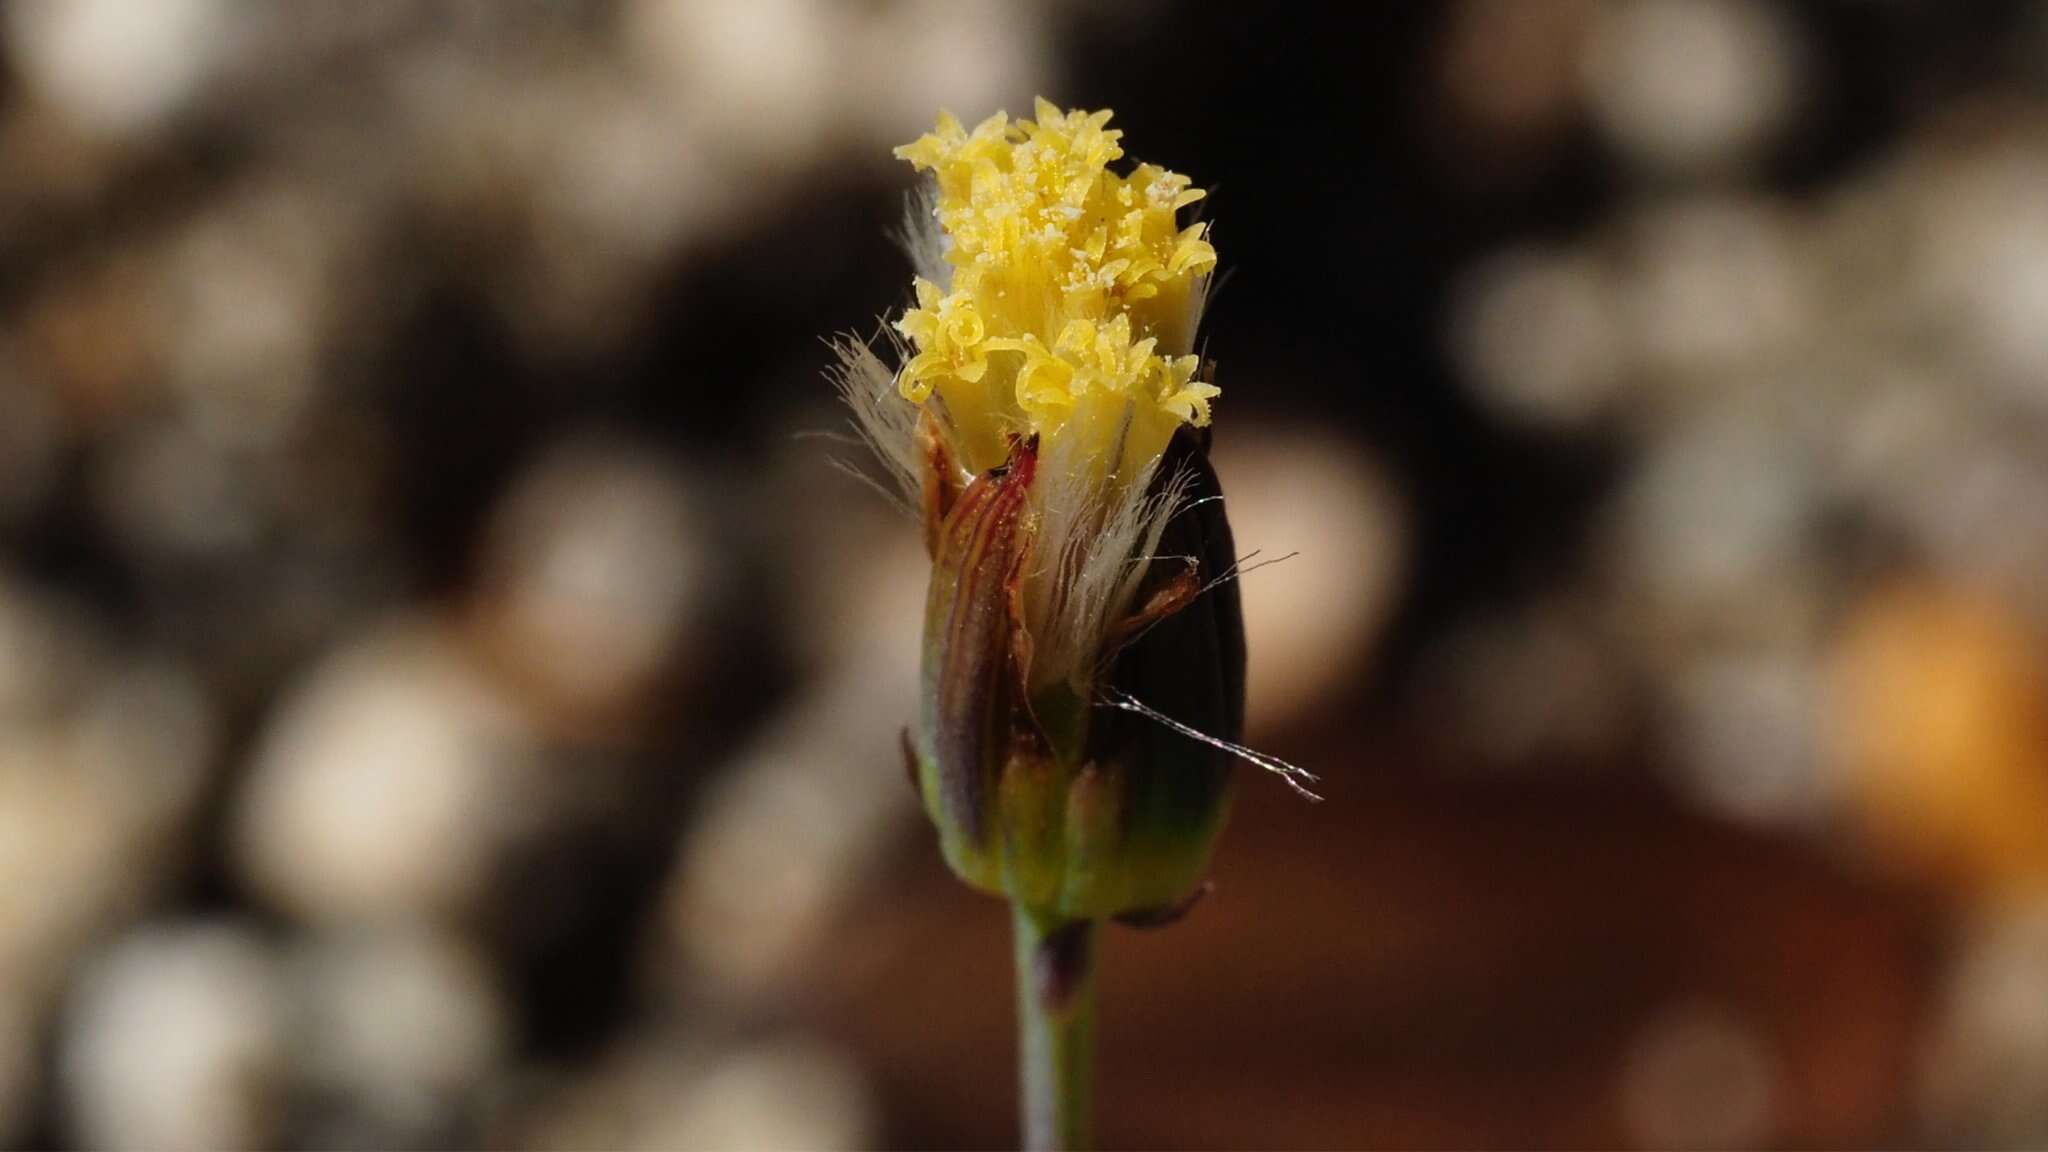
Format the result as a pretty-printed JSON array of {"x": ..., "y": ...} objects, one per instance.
[{"x": 1055, "y": 1029}]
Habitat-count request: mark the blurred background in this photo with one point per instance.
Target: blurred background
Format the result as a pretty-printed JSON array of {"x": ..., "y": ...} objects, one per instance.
[{"x": 448, "y": 698}]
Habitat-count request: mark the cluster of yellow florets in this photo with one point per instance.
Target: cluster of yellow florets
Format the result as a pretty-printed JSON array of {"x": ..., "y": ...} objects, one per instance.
[{"x": 1073, "y": 297}]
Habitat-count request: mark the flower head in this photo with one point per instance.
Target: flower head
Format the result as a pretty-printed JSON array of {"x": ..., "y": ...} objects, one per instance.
[{"x": 1084, "y": 656}]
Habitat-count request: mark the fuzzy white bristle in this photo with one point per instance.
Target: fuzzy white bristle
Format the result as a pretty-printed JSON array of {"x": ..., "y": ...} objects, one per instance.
[
  {"x": 923, "y": 239},
  {"x": 1095, "y": 541},
  {"x": 884, "y": 419}
]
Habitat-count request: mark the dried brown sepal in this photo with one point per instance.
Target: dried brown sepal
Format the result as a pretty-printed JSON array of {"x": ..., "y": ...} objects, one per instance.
[
  {"x": 939, "y": 482},
  {"x": 971, "y": 689},
  {"x": 1170, "y": 595}
]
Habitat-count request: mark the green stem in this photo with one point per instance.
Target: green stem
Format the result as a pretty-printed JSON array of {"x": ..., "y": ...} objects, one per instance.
[{"x": 1055, "y": 1029}]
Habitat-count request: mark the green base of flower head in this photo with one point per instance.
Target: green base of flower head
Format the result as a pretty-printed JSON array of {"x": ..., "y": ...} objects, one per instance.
[
  {"x": 1067, "y": 845},
  {"x": 1071, "y": 839}
]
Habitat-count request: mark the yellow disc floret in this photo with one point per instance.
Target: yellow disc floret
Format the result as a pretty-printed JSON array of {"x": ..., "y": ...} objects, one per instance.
[{"x": 1073, "y": 294}]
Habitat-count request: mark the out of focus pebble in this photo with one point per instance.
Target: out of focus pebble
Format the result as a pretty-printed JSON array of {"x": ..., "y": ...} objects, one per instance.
[
  {"x": 112, "y": 66},
  {"x": 1330, "y": 533},
  {"x": 790, "y": 1094},
  {"x": 245, "y": 304},
  {"x": 1983, "y": 246},
  {"x": 402, "y": 1029},
  {"x": 1981, "y": 1080},
  {"x": 1744, "y": 736},
  {"x": 1977, "y": 517},
  {"x": 1713, "y": 284},
  {"x": 1701, "y": 1077},
  {"x": 971, "y": 56},
  {"x": 1509, "y": 65},
  {"x": 387, "y": 783},
  {"x": 1692, "y": 84},
  {"x": 176, "y": 1039},
  {"x": 1710, "y": 532},
  {"x": 1939, "y": 721},
  {"x": 785, "y": 1092},
  {"x": 1542, "y": 338},
  {"x": 770, "y": 68},
  {"x": 594, "y": 576}
]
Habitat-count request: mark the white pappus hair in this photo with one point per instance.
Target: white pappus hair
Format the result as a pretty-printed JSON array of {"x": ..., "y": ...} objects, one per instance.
[
  {"x": 922, "y": 237},
  {"x": 884, "y": 419},
  {"x": 1096, "y": 539}
]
